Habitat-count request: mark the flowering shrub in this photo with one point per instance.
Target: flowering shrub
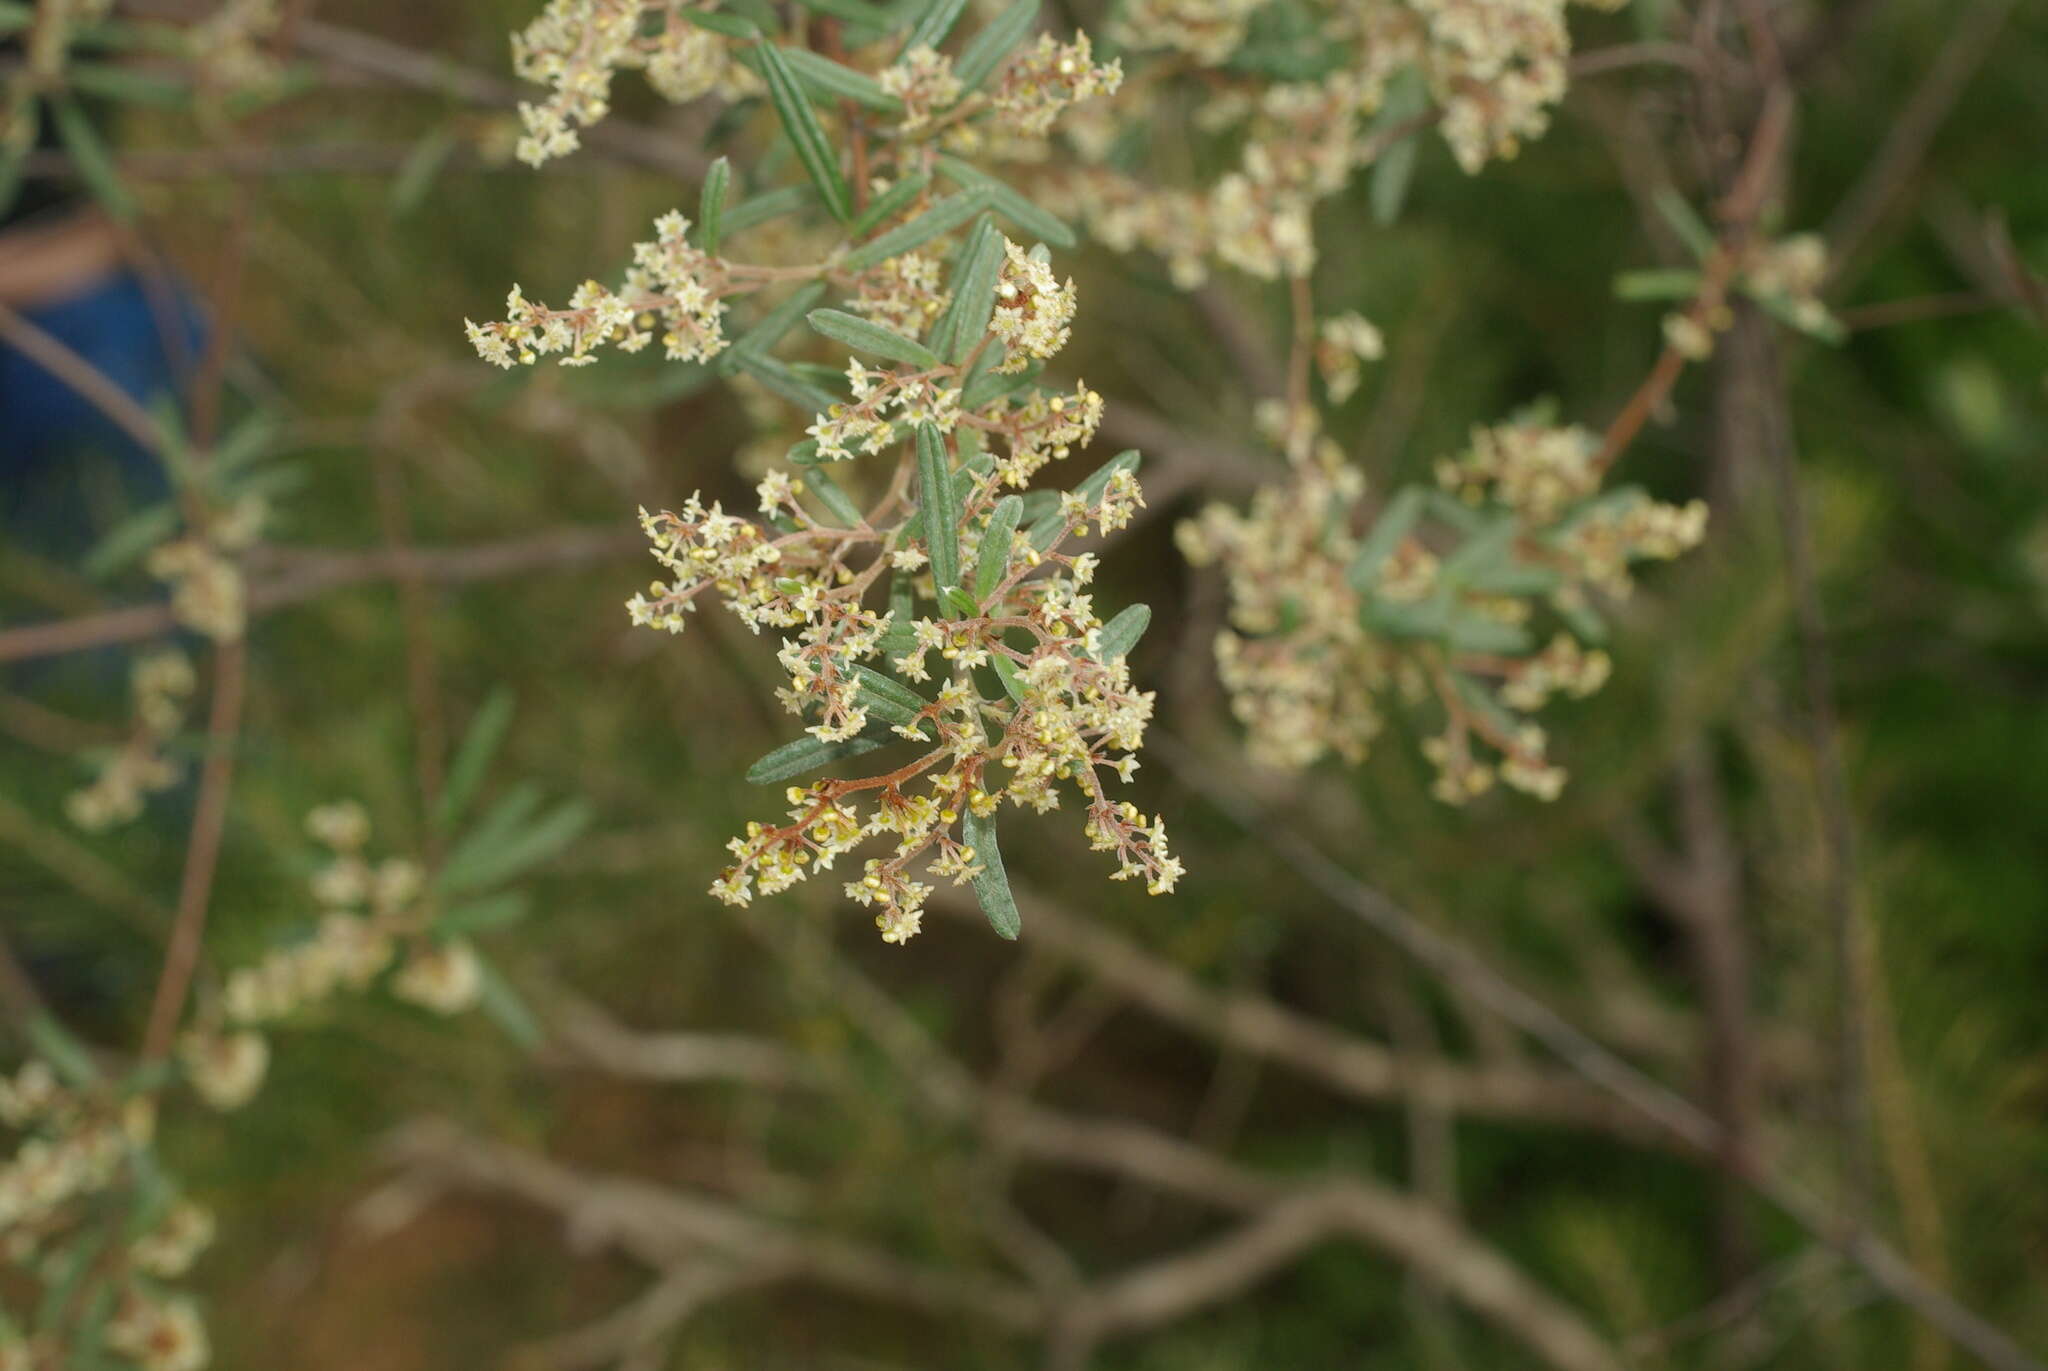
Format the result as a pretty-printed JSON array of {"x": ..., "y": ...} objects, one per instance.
[{"x": 949, "y": 616}]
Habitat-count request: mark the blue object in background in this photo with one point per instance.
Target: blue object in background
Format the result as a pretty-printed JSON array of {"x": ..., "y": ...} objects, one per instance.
[{"x": 51, "y": 437}]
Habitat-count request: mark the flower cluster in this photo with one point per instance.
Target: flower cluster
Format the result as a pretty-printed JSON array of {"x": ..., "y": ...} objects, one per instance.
[
  {"x": 1032, "y": 311},
  {"x": 671, "y": 286},
  {"x": 575, "y": 46},
  {"x": 81, "y": 1153},
  {"x": 162, "y": 683},
  {"x": 1048, "y": 77},
  {"x": 1065, "y": 711},
  {"x": 1332, "y": 610},
  {"x": 208, "y": 594},
  {"x": 372, "y": 914},
  {"x": 1208, "y": 31},
  {"x": 923, "y": 80}
]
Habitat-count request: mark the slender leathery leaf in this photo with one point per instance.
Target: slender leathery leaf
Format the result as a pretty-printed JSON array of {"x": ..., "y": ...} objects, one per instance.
[
  {"x": 711, "y": 204},
  {"x": 974, "y": 294},
  {"x": 991, "y": 884},
  {"x": 988, "y": 48},
  {"x": 128, "y": 540},
  {"x": 995, "y": 545},
  {"x": 877, "y": 688},
  {"x": 941, "y": 505},
  {"x": 1394, "y": 169},
  {"x": 1008, "y": 202},
  {"x": 834, "y": 498},
  {"x": 865, "y": 336},
  {"x": 1657, "y": 283},
  {"x": 857, "y": 12},
  {"x": 501, "y": 910},
  {"x": 933, "y": 24},
  {"x": 725, "y": 25},
  {"x": 1399, "y": 516},
  {"x": 473, "y": 757},
  {"x": 492, "y": 853},
  {"x": 776, "y": 376},
  {"x": 808, "y": 754},
  {"x": 1121, "y": 634},
  {"x": 506, "y": 1007},
  {"x": 806, "y": 135},
  {"x": 94, "y": 163},
  {"x": 888, "y": 204},
  {"x": 769, "y": 329},
  {"x": 943, "y": 217},
  {"x": 769, "y": 205},
  {"x": 827, "y": 80},
  {"x": 1047, "y": 528},
  {"x": 1684, "y": 220}
]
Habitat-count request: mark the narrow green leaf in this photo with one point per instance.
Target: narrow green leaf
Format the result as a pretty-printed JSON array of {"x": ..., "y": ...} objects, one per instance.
[
  {"x": 90, "y": 156},
  {"x": 128, "y": 540},
  {"x": 941, "y": 506},
  {"x": 507, "y": 1008},
  {"x": 974, "y": 293},
  {"x": 1517, "y": 578},
  {"x": 473, "y": 757},
  {"x": 1121, "y": 634},
  {"x": 806, "y": 135},
  {"x": 984, "y": 386},
  {"x": 857, "y": 12},
  {"x": 770, "y": 328},
  {"x": 834, "y": 81},
  {"x": 835, "y": 499},
  {"x": 1587, "y": 624},
  {"x": 865, "y": 336},
  {"x": 1394, "y": 169},
  {"x": 416, "y": 176},
  {"x": 933, "y": 24},
  {"x": 1684, "y": 220},
  {"x": 992, "y": 885},
  {"x": 1424, "y": 619},
  {"x": 1485, "y": 550},
  {"x": 1658, "y": 283},
  {"x": 475, "y": 865},
  {"x": 993, "y": 43},
  {"x": 877, "y": 689},
  {"x": 1006, "y": 671},
  {"x": 1049, "y": 525},
  {"x": 711, "y": 205},
  {"x": 1007, "y": 202},
  {"x": 777, "y": 377},
  {"x": 67, "y": 1056},
  {"x": 959, "y": 603},
  {"x": 808, "y": 754},
  {"x": 128, "y": 85},
  {"x": 726, "y": 25},
  {"x": 501, "y": 910},
  {"x": 994, "y": 560},
  {"x": 1388, "y": 530},
  {"x": 889, "y": 204},
  {"x": 1469, "y": 632},
  {"x": 943, "y": 217},
  {"x": 769, "y": 205}
]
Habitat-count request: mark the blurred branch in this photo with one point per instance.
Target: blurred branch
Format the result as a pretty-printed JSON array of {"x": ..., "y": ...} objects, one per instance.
[
  {"x": 1905, "y": 145},
  {"x": 282, "y": 576},
  {"x": 1649, "y": 1097}
]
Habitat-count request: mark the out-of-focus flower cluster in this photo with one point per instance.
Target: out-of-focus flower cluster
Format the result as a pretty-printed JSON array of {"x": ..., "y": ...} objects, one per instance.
[
  {"x": 372, "y": 915},
  {"x": 1359, "y": 79},
  {"x": 575, "y": 46},
  {"x": 79, "y": 1184},
  {"x": 1437, "y": 596},
  {"x": 161, "y": 683},
  {"x": 208, "y": 593},
  {"x": 671, "y": 286}
]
